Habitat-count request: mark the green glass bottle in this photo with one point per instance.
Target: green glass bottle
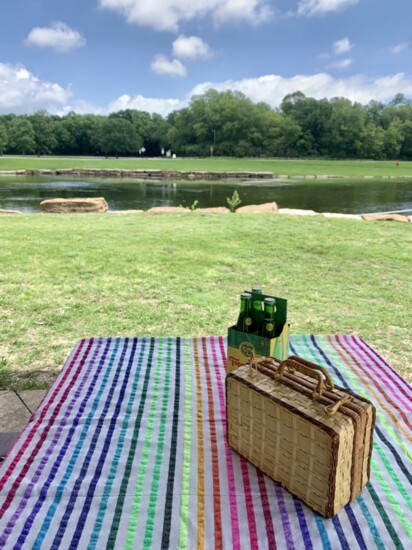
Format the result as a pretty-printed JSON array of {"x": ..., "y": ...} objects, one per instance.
[
  {"x": 268, "y": 328},
  {"x": 256, "y": 303},
  {"x": 244, "y": 322}
]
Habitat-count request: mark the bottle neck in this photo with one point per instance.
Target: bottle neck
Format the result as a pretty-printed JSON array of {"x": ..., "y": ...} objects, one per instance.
[
  {"x": 269, "y": 311},
  {"x": 244, "y": 305}
]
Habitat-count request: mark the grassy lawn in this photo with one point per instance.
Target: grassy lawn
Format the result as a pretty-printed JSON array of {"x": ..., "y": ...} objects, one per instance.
[
  {"x": 349, "y": 168},
  {"x": 64, "y": 277}
]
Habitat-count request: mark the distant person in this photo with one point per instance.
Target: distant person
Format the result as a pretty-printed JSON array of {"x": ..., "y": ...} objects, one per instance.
[{"x": 397, "y": 163}]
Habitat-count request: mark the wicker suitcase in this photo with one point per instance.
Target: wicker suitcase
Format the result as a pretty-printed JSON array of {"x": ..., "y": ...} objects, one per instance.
[{"x": 290, "y": 421}]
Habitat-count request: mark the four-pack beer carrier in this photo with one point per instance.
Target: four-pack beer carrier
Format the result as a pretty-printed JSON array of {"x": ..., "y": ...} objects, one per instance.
[
  {"x": 261, "y": 329},
  {"x": 287, "y": 418}
]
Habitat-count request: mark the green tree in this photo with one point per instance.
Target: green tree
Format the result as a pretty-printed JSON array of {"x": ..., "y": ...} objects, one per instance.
[
  {"x": 75, "y": 134},
  {"x": 400, "y": 100},
  {"x": 406, "y": 148},
  {"x": 281, "y": 135},
  {"x": 21, "y": 136},
  {"x": 181, "y": 134},
  {"x": 66, "y": 136},
  {"x": 158, "y": 134},
  {"x": 152, "y": 129},
  {"x": 226, "y": 121},
  {"x": 44, "y": 132},
  {"x": 313, "y": 117},
  {"x": 86, "y": 128},
  {"x": 393, "y": 139},
  {"x": 345, "y": 128},
  {"x": 374, "y": 113},
  {"x": 4, "y": 138},
  {"x": 290, "y": 101},
  {"x": 117, "y": 136},
  {"x": 373, "y": 138}
]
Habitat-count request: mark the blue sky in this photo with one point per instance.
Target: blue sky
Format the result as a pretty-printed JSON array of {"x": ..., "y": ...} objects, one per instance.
[{"x": 99, "y": 56}]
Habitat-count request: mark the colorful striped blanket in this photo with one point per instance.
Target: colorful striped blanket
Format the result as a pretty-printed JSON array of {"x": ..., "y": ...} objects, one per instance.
[{"x": 128, "y": 450}]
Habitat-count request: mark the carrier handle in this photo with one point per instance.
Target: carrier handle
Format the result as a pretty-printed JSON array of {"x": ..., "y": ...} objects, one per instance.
[
  {"x": 313, "y": 370},
  {"x": 332, "y": 409}
]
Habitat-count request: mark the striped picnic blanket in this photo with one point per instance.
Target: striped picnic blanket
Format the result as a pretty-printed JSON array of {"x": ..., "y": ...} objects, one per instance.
[{"x": 128, "y": 450}]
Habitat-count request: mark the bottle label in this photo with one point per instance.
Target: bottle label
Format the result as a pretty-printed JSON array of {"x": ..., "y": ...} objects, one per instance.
[
  {"x": 248, "y": 321},
  {"x": 269, "y": 327}
]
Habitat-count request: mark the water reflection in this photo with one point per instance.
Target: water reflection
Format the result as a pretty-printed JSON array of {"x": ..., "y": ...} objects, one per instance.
[{"x": 346, "y": 196}]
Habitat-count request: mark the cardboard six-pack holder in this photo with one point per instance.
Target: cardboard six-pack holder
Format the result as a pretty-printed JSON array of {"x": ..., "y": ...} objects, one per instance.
[{"x": 241, "y": 346}]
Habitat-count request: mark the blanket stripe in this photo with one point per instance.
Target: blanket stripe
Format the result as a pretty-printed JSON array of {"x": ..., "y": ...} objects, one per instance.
[
  {"x": 186, "y": 459},
  {"x": 200, "y": 454},
  {"x": 343, "y": 365},
  {"x": 83, "y": 441},
  {"x": 33, "y": 428},
  {"x": 117, "y": 454},
  {"x": 168, "y": 508},
  {"x": 234, "y": 516},
  {"x": 128, "y": 450},
  {"x": 115, "y": 524},
  {"x": 149, "y": 444},
  {"x": 38, "y": 475},
  {"x": 214, "y": 450}
]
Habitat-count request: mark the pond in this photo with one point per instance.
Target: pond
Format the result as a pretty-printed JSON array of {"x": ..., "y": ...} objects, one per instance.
[{"x": 343, "y": 195}]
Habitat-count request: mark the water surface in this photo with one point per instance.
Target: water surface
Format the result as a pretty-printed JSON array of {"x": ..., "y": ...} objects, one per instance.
[{"x": 344, "y": 195}]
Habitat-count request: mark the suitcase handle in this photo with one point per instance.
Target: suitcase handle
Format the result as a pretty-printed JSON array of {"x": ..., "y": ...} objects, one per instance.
[
  {"x": 332, "y": 409},
  {"x": 297, "y": 363},
  {"x": 294, "y": 363},
  {"x": 309, "y": 369}
]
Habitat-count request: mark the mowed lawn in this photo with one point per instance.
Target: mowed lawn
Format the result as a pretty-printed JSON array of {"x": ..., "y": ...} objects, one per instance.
[
  {"x": 292, "y": 167},
  {"x": 65, "y": 277}
]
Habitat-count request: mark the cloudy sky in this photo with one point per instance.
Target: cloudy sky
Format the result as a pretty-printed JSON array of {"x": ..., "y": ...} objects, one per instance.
[{"x": 99, "y": 56}]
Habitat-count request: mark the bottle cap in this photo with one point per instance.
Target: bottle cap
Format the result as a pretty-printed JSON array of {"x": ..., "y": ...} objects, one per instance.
[{"x": 246, "y": 295}]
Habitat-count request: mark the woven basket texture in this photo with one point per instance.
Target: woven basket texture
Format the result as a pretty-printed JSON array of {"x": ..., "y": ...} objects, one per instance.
[{"x": 323, "y": 460}]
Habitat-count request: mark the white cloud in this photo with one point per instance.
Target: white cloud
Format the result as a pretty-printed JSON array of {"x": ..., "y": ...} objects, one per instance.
[
  {"x": 167, "y": 15},
  {"x": 272, "y": 89},
  {"x": 162, "y": 106},
  {"x": 190, "y": 47},
  {"x": 163, "y": 65},
  {"x": 319, "y": 7},
  {"x": 342, "y": 46},
  {"x": 399, "y": 47},
  {"x": 148, "y": 104},
  {"x": 253, "y": 11},
  {"x": 343, "y": 64},
  {"x": 58, "y": 36},
  {"x": 21, "y": 92}
]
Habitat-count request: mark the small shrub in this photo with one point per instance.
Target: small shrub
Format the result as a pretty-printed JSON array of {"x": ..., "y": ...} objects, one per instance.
[
  {"x": 192, "y": 207},
  {"x": 234, "y": 201}
]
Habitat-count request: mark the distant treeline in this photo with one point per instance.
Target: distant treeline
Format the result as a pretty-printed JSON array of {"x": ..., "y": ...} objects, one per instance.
[{"x": 229, "y": 123}]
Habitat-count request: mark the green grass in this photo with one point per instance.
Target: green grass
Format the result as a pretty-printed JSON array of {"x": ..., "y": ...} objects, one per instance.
[
  {"x": 355, "y": 168},
  {"x": 64, "y": 277}
]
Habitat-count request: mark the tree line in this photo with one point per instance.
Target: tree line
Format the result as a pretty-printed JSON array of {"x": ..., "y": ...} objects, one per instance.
[{"x": 223, "y": 124}]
